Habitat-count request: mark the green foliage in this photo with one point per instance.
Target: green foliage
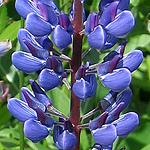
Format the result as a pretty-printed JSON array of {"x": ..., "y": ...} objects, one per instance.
[{"x": 139, "y": 38}]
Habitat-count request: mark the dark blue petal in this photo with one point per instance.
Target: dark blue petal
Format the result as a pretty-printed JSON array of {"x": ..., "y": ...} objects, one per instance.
[
  {"x": 30, "y": 44},
  {"x": 122, "y": 25},
  {"x": 5, "y": 46},
  {"x": 25, "y": 35},
  {"x": 65, "y": 23},
  {"x": 52, "y": 4},
  {"x": 26, "y": 62},
  {"x": 91, "y": 23},
  {"x": 123, "y": 5},
  {"x": 31, "y": 100},
  {"x": 67, "y": 140},
  {"x": 48, "y": 79},
  {"x": 103, "y": 68},
  {"x": 97, "y": 38},
  {"x": 84, "y": 89},
  {"x": 110, "y": 42},
  {"x": 48, "y": 13},
  {"x": 131, "y": 60},
  {"x": 58, "y": 129},
  {"x": 45, "y": 42},
  {"x": 108, "y": 100},
  {"x": 124, "y": 96},
  {"x": 39, "y": 94},
  {"x": 35, "y": 131},
  {"x": 45, "y": 119},
  {"x": 108, "y": 66},
  {"x": 114, "y": 113},
  {"x": 61, "y": 37},
  {"x": 24, "y": 7},
  {"x": 109, "y": 14},
  {"x": 104, "y": 4},
  {"x": 126, "y": 123},
  {"x": 105, "y": 135},
  {"x": 54, "y": 64},
  {"x": 98, "y": 121},
  {"x": 37, "y": 25},
  {"x": 20, "y": 110},
  {"x": 118, "y": 80}
]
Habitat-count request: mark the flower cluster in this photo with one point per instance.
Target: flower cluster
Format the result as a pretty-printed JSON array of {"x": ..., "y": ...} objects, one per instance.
[{"x": 103, "y": 29}]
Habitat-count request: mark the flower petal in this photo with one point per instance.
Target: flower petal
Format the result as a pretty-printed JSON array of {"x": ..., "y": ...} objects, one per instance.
[
  {"x": 61, "y": 37},
  {"x": 30, "y": 44},
  {"x": 24, "y": 7},
  {"x": 123, "y": 5},
  {"x": 31, "y": 100},
  {"x": 91, "y": 23},
  {"x": 126, "y": 123},
  {"x": 39, "y": 94},
  {"x": 124, "y": 96},
  {"x": 122, "y": 25},
  {"x": 48, "y": 13},
  {"x": 84, "y": 89},
  {"x": 98, "y": 121},
  {"x": 67, "y": 140},
  {"x": 5, "y": 46},
  {"x": 105, "y": 135},
  {"x": 131, "y": 60},
  {"x": 48, "y": 79},
  {"x": 42, "y": 27},
  {"x": 35, "y": 131},
  {"x": 65, "y": 23},
  {"x": 97, "y": 38},
  {"x": 20, "y": 110},
  {"x": 118, "y": 80},
  {"x": 26, "y": 62},
  {"x": 110, "y": 42},
  {"x": 109, "y": 14}
]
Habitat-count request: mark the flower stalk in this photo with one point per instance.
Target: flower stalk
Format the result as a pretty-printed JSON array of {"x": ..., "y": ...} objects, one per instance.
[{"x": 75, "y": 64}]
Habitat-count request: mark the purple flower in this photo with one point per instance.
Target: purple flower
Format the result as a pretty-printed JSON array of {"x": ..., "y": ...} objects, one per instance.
[
  {"x": 115, "y": 71},
  {"x": 51, "y": 76},
  {"x": 31, "y": 112},
  {"x": 114, "y": 22},
  {"x": 63, "y": 136},
  {"x": 105, "y": 133},
  {"x": 85, "y": 85},
  {"x": 47, "y": 18}
]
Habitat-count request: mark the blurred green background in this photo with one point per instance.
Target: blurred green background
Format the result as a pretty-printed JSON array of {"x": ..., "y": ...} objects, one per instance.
[{"x": 139, "y": 38}]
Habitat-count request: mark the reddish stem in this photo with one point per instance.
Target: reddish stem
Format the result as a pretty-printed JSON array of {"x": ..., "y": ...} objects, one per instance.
[{"x": 75, "y": 64}]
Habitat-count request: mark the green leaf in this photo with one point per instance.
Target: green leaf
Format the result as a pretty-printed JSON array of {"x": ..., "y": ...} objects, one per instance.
[
  {"x": 11, "y": 31},
  {"x": 60, "y": 100},
  {"x": 4, "y": 115},
  {"x": 146, "y": 147},
  {"x": 9, "y": 143},
  {"x": 84, "y": 140},
  {"x": 142, "y": 40},
  {"x": 3, "y": 16}
]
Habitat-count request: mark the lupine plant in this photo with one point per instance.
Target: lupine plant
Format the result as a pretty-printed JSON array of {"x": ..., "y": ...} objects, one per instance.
[{"x": 47, "y": 33}]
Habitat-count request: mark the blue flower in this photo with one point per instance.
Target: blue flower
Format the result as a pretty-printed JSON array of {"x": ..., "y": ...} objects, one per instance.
[
  {"x": 32, "y": 113},
  {"x": 105, "y": 133},
  {"x": 63, "y": 136},
  {"x": 51, "y": 76},
  {"x": 85, "y": 85},
  {"x": 47, "y": 18},
  {"x": 115, "y": 71},
  {"x": 115, "y": 22}
]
